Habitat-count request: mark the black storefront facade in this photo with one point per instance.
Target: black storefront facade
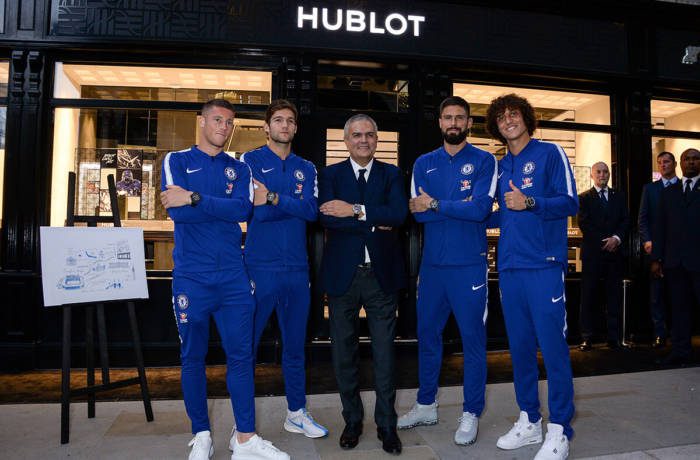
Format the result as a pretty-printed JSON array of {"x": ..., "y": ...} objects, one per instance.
[{"x": 393, "y": 60}]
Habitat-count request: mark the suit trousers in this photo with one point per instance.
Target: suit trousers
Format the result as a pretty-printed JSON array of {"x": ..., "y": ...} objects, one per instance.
[
  {"x": 610, "y": 270},
  {"x": 684, "y": 287},
  {"x": 380, "y": 308},
  {"x": 657, "y": 305}
]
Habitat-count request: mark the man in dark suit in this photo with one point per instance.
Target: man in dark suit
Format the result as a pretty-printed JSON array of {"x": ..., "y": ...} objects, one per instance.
[
  {"x": 666, "y": 164},
  {"x": 604, "y": 220},
  {"x": 676, "y": 252},
  {"x": 363, "y": 202}
]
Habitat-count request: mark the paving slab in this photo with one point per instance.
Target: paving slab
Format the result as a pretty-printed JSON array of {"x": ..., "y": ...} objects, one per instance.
[{"x": 637, "y": 416}]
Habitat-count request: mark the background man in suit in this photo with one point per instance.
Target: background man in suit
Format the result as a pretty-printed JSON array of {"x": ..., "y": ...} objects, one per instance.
[
  {"x": 363, "y": 201},
  {"x": 453, "y": 189},
  {"x": 676, "y": 252},
  {"x": 666, "y": 164},
  {"x": 604, "y": 220}
]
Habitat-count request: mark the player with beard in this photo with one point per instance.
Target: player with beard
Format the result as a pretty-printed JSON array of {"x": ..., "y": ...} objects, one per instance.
[
  {"x": 275, "y": 252},
  {"x": 453, "y": 190}
]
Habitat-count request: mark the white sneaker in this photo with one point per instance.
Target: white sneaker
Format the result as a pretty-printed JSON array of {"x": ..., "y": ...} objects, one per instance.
[
  {"x": 301, "y": 421},
  {"x": 420, "y": 414},
  {"x": 556, "y": 444},
  {"x": 202, "y": 446},
  {"x": 256, "y": 448},
  {"x": 468, "y": 428},
  {"x": 233, "y": 435},
  {"x": 522, "y": 434}
]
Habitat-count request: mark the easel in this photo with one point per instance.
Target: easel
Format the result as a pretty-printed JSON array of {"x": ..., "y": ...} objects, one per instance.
[{"x": 91, "y": 389}]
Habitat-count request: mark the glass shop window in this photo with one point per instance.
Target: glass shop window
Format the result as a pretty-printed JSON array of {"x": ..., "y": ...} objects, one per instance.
[
  {"x": 4, "y": 78},
  {"x": 683, "y": 119},
  {"x": 129, "y": 139}
]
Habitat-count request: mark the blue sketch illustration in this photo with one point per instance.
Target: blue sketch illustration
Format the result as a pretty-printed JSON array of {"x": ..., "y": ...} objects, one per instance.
[{"x": 109, "y": 267}]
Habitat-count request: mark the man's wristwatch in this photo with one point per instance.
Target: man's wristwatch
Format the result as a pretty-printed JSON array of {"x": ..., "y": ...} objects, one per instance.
[
  {"x": 195, "y": 198},
  {"x": 529, "y": 202},
  {"x": 271, "y": 197},
  {"x": 433, "y": 206},
  {"x": 357, "y": 211}
]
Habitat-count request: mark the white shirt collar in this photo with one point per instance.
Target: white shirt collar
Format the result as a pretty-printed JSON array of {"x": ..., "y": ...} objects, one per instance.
[
  {"x": 670, "y": 181},
  {"x": 694, "y": 180},
  {"x": 598, "y": 189},
  {"x": 356, "y": 168}
]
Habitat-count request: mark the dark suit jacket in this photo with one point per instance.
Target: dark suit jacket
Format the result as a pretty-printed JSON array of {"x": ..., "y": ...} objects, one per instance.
[
  {"x": 676, "y": 242},
  {"x": 597, "y": 221},
  {"x": 648, "y": 209},
  {"x": 386, "y": 204}
]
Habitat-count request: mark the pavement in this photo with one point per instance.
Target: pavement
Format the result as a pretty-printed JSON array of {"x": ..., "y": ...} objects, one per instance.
[{"x": 643, "y": 415}]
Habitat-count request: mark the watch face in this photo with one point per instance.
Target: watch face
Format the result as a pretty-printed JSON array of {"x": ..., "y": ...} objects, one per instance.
[{"x": 195, "y": 198}]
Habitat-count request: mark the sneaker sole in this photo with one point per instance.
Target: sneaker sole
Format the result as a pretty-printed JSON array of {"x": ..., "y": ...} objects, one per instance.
[
  {"x": 426, "y": 423},
  {"x": 530, "y": 442},
  {"x": 468, "y": 443},
  {"x": 211, "y": 451},
  {"x": 295, "y": 429}
]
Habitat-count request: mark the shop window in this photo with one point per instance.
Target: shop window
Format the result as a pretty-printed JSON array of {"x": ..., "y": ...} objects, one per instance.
[
  {"x": 4, "y": 78},
  {"x": 162, "y": 84},
  {"x": 556, "y": 109},
  {"x": 130, "y": 139},
  {"x": 554, "y": 106},
  {"x": 670, "y": 122},
  {"x": 363, "y": 86}
]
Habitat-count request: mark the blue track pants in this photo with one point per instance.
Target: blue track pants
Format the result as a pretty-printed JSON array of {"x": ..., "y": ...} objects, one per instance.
[
  {"x": 462, "y": 291},
  {"x": 535, "y": 313},
  {"x": 225, "y": 296},
  {"x": 287, "y": 293}
]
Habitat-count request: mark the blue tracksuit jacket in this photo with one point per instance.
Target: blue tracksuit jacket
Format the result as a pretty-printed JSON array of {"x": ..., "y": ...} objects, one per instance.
[
  {"x": 536, "y": 238},
  {"x": 207, "y": 236},
  {"x": 276, "y": 237},
  {"x": 456, "y": 234}
]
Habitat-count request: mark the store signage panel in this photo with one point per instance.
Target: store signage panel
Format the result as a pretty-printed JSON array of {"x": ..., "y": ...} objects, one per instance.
[
  {"x": 419, "y": 29},
  {"x": 359, "y": 21}
]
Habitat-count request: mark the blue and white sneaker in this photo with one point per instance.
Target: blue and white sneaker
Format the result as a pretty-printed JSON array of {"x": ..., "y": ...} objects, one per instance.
[{"x": 301, "y": 421}]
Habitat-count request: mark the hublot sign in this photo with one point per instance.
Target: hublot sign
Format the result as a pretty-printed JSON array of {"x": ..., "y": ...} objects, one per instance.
[{"x": 359, "y": 21}]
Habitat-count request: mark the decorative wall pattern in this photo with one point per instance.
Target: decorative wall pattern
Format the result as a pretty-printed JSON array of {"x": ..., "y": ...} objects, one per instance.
[{"x": 482, "y": 34}]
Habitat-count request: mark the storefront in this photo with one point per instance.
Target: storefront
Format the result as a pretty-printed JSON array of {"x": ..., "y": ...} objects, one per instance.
[{"x": 96, "y": 89}]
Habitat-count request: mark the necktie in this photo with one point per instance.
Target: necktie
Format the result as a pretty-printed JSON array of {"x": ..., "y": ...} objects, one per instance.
[
  {"x": 362, "y": 184},
  {"x": 686, "y": 187},
  {"x": 603, "y": 198}
]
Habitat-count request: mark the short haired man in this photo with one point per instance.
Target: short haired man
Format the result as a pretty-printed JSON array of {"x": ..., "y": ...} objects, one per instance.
[
  {"x": 207, "y": 193},
  {"x": 536, "y": 194},
  {"x": 676, "y": 253},
  {"x": 363, "y": 203},
  {"x": 648, "y": 215},
  {"x": 603, "y": 218},
  {"x": 452, "y": 191},
  {"x": 275, "y": 252}
]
